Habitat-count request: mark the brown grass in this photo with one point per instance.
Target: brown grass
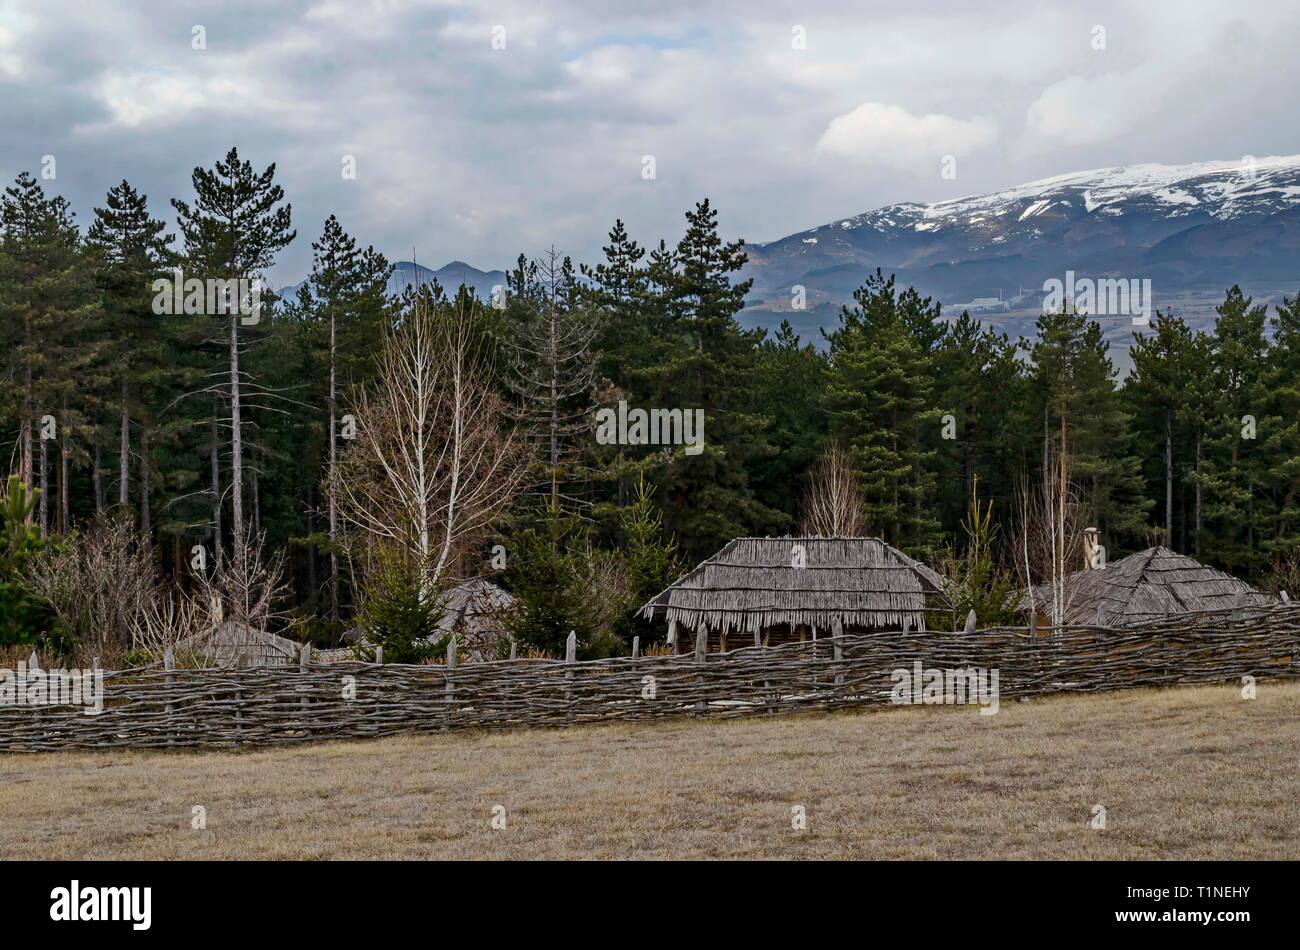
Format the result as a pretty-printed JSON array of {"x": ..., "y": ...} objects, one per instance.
[{"x": 1193, "y": 773}]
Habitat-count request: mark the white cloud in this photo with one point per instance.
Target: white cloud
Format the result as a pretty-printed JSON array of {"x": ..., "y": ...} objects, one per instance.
[
  {"x": 889, "y": 135},
  {"x": 136, "y": 99}
]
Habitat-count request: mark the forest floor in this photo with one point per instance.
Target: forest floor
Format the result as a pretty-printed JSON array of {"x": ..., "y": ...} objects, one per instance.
[{"x": 1188, "y": 773}]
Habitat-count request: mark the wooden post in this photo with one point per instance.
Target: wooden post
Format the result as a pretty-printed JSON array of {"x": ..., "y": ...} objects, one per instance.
[
  {"x": 837, "y": 647},
  {"x": 971, "y": 620},
  {"x": 34, "y": 664},
  {"x": 169, "y": 664},
  {"x": 701, "y": 651},
  {"x": 379, "y": 654},
  {"x": 812, "y": 627},
  {"x": 672, "y": 634},
  {"x": 570, "y": 657},
  {"x": 449, "y": 691},
  {"x": 758, "y": 637},
  {"x": 514, "y": 648},
  {"x": 304, "y": 660},
  {"x": 636, "y": 647}
]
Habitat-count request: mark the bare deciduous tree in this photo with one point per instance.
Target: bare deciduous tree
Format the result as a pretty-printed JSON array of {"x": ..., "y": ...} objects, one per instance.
[
  {"x": 435, "y": 459},
  {"x": 1049, "y": 545},
  {"x": 833, "y": 504},
  {"x": 97, "y": 584}
]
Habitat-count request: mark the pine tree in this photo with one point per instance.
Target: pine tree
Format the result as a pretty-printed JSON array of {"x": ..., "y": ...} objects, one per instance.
[
  {"x": 233, "y": 231},
  {"x": 708, "y": 499},
  {"x": 342, "y": 310},
  {"x": 980, "y": 380},
  {"x": 1156, "y": 393},
  {"x": 130, "y": 251},
  {"x": 1234, "y": 475},
  {"x": 1082, "y": 418},
  {"x": 1283, "y": 442},
  {"x": 880, "y": 397},
  {"x": 48, "y": 312},
  {"x": 547, "y": 332}
]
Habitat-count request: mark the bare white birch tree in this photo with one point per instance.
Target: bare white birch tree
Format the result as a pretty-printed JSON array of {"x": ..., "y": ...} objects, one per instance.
[{"x": 436, "y": 458}]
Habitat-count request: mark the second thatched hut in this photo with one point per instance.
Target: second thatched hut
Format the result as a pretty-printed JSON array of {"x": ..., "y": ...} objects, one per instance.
[
  {"x": 766, "y": 591},
  {"x": 1150, "y": 585}
]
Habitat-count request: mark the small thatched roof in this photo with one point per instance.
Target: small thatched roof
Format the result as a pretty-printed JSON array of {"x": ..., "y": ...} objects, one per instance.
[
  {"x": 476, "y": 606},
  {"x": 233, "y": 644},
  {"x": 1149, "y": 585},
  {"x": 751, "y": 584},
  {"x": 478, "y": 612}
]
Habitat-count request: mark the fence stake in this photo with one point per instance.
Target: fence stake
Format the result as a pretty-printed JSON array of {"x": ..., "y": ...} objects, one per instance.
[
  {"x": 169, "y": 664},
  {"x": 837, "y": 646},
  {"x": 970, "y": 622},
  {"x": 570, "y": 656},
  {"x": 304, "y": 660},
  {"x": 514, "y": 647},
  {"x": 33, "y": 664},
  {"x": 636, "y": 647},
  {"x": 701, "y": 651},
  {"x": 379, "y": 654},
  {"x": 448, "y": 689}
]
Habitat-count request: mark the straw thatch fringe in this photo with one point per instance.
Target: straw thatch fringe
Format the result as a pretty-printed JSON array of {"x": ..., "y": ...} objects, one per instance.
[{"x": 756, "y": 583}]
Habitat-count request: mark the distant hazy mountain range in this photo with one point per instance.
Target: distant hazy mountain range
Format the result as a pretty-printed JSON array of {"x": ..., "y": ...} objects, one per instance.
[
  {"x": 450, "y": 276},
  {"x": 1193, "y": 230}
]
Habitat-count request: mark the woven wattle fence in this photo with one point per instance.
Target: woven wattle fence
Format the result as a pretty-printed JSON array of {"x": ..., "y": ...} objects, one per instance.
[{"x": 155, "y": 707}]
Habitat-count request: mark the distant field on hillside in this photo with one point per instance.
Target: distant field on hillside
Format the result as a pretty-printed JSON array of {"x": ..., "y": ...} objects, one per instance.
[{"x": 1191, "y": 773}]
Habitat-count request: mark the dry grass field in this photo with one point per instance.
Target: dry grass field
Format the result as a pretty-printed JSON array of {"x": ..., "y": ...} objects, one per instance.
[{"x": 1188, "y": 773}]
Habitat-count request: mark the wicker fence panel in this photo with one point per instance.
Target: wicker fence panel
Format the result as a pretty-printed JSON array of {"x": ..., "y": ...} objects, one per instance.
[{"x": 154, "y": 707}]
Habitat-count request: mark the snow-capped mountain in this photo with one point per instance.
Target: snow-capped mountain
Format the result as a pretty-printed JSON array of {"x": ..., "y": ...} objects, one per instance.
[{"x": 1188, "y": 228}]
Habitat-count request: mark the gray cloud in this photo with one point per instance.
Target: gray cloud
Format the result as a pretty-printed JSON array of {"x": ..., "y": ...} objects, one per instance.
[{"x": 465, "y": 151}]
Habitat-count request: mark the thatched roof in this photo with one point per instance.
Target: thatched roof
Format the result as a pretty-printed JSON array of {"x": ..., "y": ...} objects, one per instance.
[
  {"x": 476, "y": 606},
  {"x": 1149, "y": 585},
  {"x": 233, "y": 644},
  {"x": 478, "y": 612},
  {"x": 751, "y": 584}
]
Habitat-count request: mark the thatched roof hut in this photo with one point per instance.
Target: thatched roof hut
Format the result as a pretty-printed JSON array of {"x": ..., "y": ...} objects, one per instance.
[
  {"x": 478, "y": 612},
  {"x": 777, "y": 589},
  {"x": 1146, "y": 586},
  {"x": 232, "y": 644}
]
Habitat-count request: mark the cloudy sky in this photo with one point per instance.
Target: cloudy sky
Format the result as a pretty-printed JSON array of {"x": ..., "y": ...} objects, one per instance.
[{"x": 786, "y": 114}]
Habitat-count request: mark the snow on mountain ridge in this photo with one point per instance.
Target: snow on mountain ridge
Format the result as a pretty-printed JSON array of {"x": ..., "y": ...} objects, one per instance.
[{"x": 1221, "y": 189}]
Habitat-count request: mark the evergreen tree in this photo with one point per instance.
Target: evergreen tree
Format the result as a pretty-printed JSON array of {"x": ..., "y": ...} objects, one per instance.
[
  {"x": 232, "y": 232},
  {"x": 47, "y": 316},
  {"x": 129, "y": 252},
  {"x": 1074, "y": 394},
  {"x": 1235, "y": 473},
  {"x": 980, "y": 380},
  {"x": 1156, "y": 393},
  {"x": 1282, "y": 443},
  {"x": 340, "y": 313},
  {"x": 880, "y": 396},
  {"x": 708, "y": 499}
]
